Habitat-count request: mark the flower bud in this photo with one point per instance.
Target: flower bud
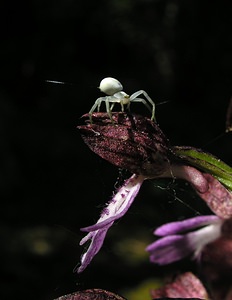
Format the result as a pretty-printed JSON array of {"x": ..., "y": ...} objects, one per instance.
[{"x": 130, "y": 142}]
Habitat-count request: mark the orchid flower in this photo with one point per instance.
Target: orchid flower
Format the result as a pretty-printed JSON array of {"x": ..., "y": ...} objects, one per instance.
[
  {"x": 208, "y": 239},
  {"x": 137, "y": 144},
  {"x": 183, "y": 238}
]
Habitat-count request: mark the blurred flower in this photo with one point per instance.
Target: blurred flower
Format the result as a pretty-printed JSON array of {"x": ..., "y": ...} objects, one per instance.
[
  {"x": 211, "y": 244},
  {"x": 183, "y": 238},
  {"x": 185, "y": 286}
]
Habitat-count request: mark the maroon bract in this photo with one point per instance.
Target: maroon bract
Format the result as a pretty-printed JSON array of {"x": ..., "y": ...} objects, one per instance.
[
  {"x": 130, "y": 142},
  {"x": 94, "y": 294}
]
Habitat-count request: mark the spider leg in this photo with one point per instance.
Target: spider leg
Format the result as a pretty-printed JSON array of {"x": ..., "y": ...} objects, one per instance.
[
  {"x": 142, "y": 101},
  {"x": 122, "y": 106},
  {"x": 134, "y": 98},
  {"x": 108, "y": 109},
  {"x": 128, "y": 106},
  {"x": 112, "y": 100},
  {"x": 97, "y": 105},
  {"x": 112, "y": 106}
]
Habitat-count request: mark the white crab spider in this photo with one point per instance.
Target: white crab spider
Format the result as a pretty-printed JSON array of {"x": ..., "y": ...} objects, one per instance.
[{"x": 114, "y": 91}]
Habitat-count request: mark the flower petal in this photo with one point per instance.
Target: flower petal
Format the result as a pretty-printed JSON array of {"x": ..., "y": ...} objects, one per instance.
[
  {"x": 185, "y": 225},
  {"x": 119, "y": 204},
  {"x": 97, "y": 239},
  {"x": 169, "y": 249},
  {"x": 117, "y": 207}
]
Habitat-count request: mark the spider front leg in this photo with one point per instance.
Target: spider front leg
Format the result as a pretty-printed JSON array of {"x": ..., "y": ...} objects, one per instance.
[
  {"x": 97, "y": 105},
  {"x": 108, "y": 108},
  {"x": 134, "y": 98}
]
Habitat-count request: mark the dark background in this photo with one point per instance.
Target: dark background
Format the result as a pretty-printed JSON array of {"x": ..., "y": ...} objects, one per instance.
[{"x": 51, "y": 184}]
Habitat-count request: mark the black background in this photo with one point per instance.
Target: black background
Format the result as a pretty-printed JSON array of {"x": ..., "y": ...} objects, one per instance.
[{"x": 51, "y": 184}]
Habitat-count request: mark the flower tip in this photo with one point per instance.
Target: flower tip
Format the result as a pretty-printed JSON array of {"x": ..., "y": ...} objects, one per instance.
[{"x": 78, "y": 268}]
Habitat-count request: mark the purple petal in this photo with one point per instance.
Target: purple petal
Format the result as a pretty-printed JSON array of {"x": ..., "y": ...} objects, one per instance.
[
  {"x": 97, "y": 239},
  {"x": 119, "y": 204},
  {"x": 175, "y": 247},
  {"x": 169, "y": 249},
  {"x": 117, "y": 207},
  {"x": 185, "y": 225}
]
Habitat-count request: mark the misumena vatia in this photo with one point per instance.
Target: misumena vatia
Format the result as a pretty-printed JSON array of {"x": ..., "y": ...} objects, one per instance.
[{"x": 114, "y": 91}]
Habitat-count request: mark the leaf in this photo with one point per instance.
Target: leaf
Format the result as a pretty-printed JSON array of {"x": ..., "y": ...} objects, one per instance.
[{"x": 206, "y": 162}]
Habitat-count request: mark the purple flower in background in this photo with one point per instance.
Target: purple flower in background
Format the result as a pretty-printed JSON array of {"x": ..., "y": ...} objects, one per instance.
[{"x": 183, "y": 238}]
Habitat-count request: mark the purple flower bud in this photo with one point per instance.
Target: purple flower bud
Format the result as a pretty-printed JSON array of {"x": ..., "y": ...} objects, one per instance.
[{"x": 131, "y": 142}]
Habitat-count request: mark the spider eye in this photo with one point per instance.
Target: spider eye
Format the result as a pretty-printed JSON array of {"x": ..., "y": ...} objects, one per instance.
[{"x": 110, "y": 86}]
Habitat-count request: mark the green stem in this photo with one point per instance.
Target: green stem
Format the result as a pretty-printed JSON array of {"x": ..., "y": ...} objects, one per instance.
[{"x": 206, "y": 162}]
